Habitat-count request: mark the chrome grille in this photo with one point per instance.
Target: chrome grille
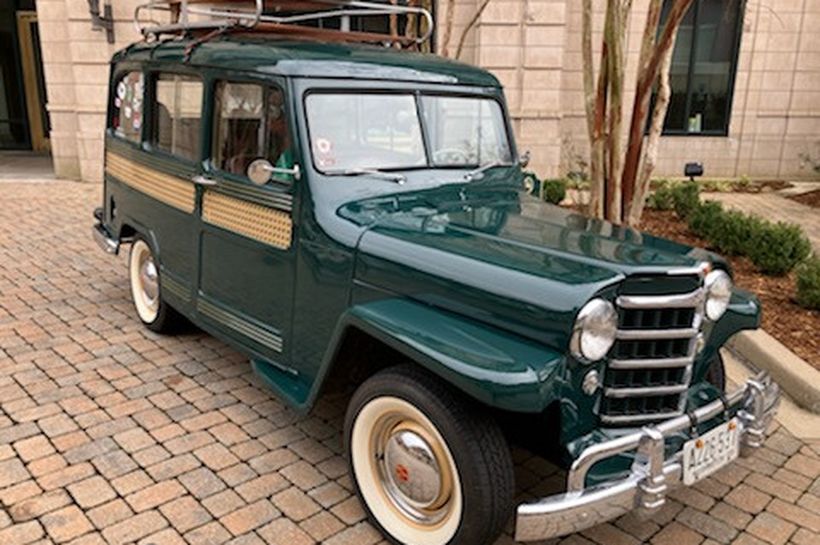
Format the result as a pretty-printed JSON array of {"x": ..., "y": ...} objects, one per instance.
[{"x": 650, "y": 365}]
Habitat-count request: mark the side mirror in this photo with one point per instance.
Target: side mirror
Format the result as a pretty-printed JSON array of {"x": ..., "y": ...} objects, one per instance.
[
  {"x": 524, "y": 160},
  {"x": 260, "y": 170}
]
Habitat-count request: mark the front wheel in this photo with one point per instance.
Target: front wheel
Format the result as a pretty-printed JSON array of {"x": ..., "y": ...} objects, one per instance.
[
  {"x": 428, "y": 465},
  {"x": 143, "y": 273}
]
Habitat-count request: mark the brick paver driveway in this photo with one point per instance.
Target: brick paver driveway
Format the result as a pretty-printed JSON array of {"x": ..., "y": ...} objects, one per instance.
[{"x": 111, "y": 434}]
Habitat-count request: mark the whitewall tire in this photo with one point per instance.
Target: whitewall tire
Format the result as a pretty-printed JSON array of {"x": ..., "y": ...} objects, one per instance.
[
  {"x": 429, "y": 466},
  {"x": 146, "y": 293}
]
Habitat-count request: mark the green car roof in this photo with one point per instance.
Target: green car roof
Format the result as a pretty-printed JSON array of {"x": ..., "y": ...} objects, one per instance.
[{"x": 312, "y": 59}]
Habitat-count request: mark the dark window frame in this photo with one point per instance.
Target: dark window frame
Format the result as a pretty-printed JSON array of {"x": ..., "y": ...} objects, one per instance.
[{"x": 733, "y": 69}]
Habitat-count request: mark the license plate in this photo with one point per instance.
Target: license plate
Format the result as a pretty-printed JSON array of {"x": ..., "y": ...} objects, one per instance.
[{"x": 711, "y": 451}]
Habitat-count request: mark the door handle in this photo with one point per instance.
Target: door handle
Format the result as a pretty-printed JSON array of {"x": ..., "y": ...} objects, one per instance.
[{"x": 203, "y": 181}]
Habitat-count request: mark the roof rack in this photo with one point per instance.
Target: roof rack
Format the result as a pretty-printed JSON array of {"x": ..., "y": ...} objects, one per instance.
[{"x": 282, "y": 17}]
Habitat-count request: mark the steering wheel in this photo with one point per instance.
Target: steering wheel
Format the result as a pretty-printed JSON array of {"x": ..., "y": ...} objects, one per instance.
[{"x": 451, "y": 156}]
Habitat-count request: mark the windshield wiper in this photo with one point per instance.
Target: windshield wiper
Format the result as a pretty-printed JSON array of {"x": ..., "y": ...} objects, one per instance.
[
  {"x": 475, "y": 173},
  {"x": 389, "y": 176}
]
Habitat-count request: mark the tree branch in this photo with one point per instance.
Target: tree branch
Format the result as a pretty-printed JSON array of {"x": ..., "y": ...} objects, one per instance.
[{"x": 476, "y": 16}]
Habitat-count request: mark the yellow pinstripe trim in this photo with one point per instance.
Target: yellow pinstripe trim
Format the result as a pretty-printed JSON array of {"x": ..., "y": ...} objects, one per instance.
[
  {"x": 255, "y": 221},
  {"x": 169, "y": 189}
]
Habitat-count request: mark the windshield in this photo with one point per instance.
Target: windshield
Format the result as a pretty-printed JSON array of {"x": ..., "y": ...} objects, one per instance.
[{"x": 385, "y": 131}]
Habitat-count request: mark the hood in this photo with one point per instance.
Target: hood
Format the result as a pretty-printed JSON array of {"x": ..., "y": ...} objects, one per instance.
[{"x": 501, "y": 256}]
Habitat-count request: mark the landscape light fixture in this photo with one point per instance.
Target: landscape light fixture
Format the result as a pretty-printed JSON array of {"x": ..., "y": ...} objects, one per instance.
[{"x": 693, "y": 170}]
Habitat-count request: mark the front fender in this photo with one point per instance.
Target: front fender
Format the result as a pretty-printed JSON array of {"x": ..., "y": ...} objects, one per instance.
[
  {"x": 743, "y": 313},
  {"x": 498, "y": 369}
]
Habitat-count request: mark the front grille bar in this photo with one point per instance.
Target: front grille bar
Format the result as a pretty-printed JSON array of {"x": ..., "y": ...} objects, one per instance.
[
  {"x": 658, "y": 363},
  {"x": 684, "y": 300},
  {"x": 641, "y": 391},
  {"x": 684, "y": 360},
  {"x": 655, "y": 334}
]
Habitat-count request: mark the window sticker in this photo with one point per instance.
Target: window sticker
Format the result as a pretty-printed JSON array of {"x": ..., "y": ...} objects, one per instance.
[
  {"x": 324, "y": 152},
  {"x": 127, "y": 112}
]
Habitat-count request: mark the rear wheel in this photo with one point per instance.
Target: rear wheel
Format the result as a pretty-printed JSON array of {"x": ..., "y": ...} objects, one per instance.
[
  {"x": 144, "y": 275},
  {"x": 429, "y": 466}
]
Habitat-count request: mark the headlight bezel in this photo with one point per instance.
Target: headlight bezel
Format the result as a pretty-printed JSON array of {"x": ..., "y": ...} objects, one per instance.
[
  {"x": 718, "y": 286},
  {"x": 598, "y": 313}
]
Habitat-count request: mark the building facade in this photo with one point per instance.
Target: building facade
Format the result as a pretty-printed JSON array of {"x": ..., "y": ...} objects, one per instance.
[{"x": 745, "y": 76}]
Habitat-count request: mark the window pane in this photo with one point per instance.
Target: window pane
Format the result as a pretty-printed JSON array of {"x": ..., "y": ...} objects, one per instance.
[
  {"x": 251, "y": 124},
  {"x": 714, "y": 55},
  {"x": 465, "y": 131},
  {"x": 177, "y": 115},
  {"x": 351, "y": 131},
  {"x": 127, "y": 116},
  {"x": 679, "y": 72},
  {"x": 702, "y": 72},
  {"x": 239, "y": 137}
]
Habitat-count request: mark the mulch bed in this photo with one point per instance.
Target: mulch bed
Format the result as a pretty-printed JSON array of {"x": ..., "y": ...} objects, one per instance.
[
  {"x": 791, "y": 324},
  {"x": 812, "y": 198}
]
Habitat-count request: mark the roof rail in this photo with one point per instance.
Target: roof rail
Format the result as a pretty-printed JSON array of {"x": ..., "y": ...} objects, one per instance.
[{"x": 282, "y": 17}]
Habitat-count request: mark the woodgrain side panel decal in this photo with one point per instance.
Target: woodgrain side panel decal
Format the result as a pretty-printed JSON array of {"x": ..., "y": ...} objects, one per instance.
[
  {"x": 169, "y": 189},
  {"x": 273, "y": 227}
]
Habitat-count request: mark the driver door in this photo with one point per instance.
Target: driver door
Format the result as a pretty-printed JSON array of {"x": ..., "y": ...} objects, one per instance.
[{"x": 246, "y": 259}]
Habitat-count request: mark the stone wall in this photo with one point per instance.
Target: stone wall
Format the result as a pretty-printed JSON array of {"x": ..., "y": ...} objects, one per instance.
[
  {"x": 75, "y": 60},
  {"x": 533, "y": 46}
]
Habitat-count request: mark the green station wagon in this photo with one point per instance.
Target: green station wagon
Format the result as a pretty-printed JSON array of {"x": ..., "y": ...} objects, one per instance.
[{"x": 358, "y": 211}]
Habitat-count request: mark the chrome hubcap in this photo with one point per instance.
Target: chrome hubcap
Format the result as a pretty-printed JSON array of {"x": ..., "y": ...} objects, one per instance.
[
  {"x": 412, "y": 473},
  {"x": 149, "y": 280},
  {"x": 412, "y": 469}
]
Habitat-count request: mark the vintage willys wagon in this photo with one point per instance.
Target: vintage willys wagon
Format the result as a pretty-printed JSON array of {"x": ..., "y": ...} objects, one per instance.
[{"x": 333, "y": 207}]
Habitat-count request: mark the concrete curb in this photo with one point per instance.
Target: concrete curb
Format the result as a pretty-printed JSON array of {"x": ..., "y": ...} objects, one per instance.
[{"x": 797, "y": 378}]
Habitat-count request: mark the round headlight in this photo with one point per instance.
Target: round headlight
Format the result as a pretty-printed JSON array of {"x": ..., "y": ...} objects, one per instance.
[
  {"x": 594, "y": 331},
  {"x": 718, "y": 293}
]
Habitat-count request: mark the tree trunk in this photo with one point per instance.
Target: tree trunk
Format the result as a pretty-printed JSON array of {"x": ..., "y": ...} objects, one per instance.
[
  {"x": 656, "y": 128},
  {"x": 597, "y": 159},
  {"x": 589, "y": 69},
  {"x": 615, "y": 40},
  {"x": 448, "y": 28},
  {"x": 646, "y": 78},
  {"x": 641, "y": 104}
]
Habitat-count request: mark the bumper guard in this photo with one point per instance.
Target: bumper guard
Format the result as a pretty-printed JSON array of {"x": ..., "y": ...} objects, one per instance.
[
  {"x": 651, "y": 476},
  {"x": 103, "y": 239}
]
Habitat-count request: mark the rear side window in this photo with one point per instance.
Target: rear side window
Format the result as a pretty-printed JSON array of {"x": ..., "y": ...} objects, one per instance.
[
  {"x": 127, "y": 117},
  {"x": 177, "y": 115}
]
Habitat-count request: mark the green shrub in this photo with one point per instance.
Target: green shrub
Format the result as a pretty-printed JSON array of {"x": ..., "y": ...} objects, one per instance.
[
  {"x": 686, "y": 197},
  {"x": 808, "y": 283},
  {"x": 734, "y": 232},
  {"x": 554, "y": 191},
  {"x": 662, "y": 198},
  {"x": 705, "y": 219},
  {"x": 778, "y": 248}
]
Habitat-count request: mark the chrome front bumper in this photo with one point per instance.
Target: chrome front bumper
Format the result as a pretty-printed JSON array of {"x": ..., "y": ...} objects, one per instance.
[{"x": 652, "y": 475}]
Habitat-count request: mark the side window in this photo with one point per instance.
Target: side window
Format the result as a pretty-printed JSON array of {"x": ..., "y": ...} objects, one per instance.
[
  {"x": 126, "y": 120},
  {"x": 177, "y": 115},
  {"x": 251, "y": 123}
]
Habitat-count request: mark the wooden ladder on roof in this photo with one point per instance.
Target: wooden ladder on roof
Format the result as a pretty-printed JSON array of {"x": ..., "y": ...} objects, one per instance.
[{"x": 156, "y": 18}]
